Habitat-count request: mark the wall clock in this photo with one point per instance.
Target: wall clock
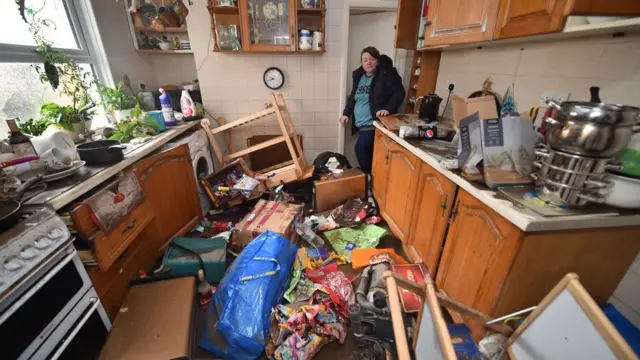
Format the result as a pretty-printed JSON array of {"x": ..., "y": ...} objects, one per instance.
[{"x": 273, "y": 78}]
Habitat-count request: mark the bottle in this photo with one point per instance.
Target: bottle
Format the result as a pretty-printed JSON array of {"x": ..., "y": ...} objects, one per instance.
[
  {"x": 204, "y": 290},
  {"x": 167, "y": 109},
  {"x": 187, "y": 105},
  {"x": 20, "y": 143}
]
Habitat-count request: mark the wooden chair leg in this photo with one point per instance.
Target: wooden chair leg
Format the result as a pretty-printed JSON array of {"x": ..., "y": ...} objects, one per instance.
[
  {"x": 300, "y": 167},
  {"x": 206, "y": 125}
]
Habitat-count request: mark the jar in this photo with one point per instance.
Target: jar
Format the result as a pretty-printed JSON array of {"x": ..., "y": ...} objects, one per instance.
[{"x": 305, "y": 40}]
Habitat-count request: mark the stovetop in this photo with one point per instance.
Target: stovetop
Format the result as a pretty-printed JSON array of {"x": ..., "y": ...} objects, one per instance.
[{"x": 38, "y": 233}]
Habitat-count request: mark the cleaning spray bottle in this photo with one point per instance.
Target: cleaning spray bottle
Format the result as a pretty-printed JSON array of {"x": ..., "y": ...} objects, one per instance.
[
  {"x": 167, "y": 109},
  {"x": 187, "y": 105}
]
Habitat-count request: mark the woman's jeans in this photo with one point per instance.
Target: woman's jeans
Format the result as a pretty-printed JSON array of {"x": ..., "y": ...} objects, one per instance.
[{"x": 364, "y": 149}]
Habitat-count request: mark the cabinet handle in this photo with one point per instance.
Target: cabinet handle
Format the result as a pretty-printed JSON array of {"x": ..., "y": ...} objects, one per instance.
[
  {"x": 454, "y": 212},
  {"x": 293, "y": 36},
  {"x": 444, "y": 204},
  {"x": 129, "y": 226}
]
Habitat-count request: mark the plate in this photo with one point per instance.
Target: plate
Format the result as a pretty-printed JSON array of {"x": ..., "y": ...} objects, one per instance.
[{"x": 64, "y": 173}]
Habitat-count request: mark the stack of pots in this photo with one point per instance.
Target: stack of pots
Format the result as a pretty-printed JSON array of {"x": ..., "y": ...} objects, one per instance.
[{"x": 583, "y": 141}]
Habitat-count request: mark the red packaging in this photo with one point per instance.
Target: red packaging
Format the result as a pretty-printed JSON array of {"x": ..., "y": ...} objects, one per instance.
[
  {"x": 411, "y": 302},
  {"x": 336, "y": 284}
]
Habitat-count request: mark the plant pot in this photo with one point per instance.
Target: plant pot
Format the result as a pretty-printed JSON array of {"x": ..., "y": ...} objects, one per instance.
[
  {"x": 78, "y": 129},
  {"x": 118, "y": 115}
]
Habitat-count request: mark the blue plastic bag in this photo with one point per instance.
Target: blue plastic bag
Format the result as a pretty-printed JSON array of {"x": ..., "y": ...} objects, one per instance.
[{"x": 242, "y": 304}]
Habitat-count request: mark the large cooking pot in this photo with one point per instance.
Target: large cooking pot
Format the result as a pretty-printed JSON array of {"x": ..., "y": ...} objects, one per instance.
[
  {"x": 591, "y": 129},
  {"x": 101, "y": 152},
  {"x": 8, "y": 214}
]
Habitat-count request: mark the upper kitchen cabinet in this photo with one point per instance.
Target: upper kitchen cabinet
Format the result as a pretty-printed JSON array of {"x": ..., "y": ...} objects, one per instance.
[
  {"x": 532, "y": 17},
  {"x": 268, "y": 26},
  {"x": 407, "y": 24},
  {"x": 460, "y": 21}
]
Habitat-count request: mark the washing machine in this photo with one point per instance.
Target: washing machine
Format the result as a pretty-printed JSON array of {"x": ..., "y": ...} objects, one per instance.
[{"x": 201, "y": 159}]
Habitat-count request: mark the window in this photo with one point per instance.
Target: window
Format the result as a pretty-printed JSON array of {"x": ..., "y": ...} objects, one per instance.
[{"x": 73, "y": 30}]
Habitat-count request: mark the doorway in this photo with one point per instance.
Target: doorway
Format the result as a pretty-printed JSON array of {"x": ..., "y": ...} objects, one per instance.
[{"x": 367, "y": 26}]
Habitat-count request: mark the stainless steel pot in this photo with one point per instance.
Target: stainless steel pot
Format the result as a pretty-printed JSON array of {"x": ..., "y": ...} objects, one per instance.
[{"x": 590, "y": 128}]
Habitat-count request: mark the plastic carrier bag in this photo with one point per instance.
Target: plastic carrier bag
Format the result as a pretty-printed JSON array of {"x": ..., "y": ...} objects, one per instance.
[{"x": 237, "y": 323}]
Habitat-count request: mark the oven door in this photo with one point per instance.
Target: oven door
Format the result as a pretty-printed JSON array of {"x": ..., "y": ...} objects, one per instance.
[
  {"x": 52, "y": 294},
  {"x": 81, "y": 334}
]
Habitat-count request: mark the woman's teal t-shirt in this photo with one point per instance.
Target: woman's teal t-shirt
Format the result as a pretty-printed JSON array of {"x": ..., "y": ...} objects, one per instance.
[{"x": 362, "y": 110}]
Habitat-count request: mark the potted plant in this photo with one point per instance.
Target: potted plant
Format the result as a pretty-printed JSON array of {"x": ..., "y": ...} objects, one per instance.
[
  {"x": 34, "y": 127},
  {"x": 135, "y": 126},
  {"x": 116, "y": 101},
  {"x": 66, "y": 117}
]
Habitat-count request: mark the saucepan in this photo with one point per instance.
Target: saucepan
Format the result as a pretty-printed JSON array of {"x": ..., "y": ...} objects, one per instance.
[
  {"x": 101, "y": 152},
  {"x": 8, "y": 214}
]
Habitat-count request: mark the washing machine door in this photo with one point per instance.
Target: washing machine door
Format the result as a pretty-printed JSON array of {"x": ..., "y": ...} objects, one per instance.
[{"x": 202, "y": 166}]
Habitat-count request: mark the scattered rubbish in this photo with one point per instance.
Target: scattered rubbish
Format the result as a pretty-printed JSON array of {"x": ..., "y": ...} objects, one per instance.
[
  {"x": 332, "y": 190},
  {"x": 411, "y": 302},
  {"x": 302, "y": 332},
  {"x": 268, "y": 215},
  {"x": 260, "y": 274},
  {"x": 327, "y": 158},
  {"x": 336, "y": 284},
  {"x": 246, "y": 183},
  {"x": 372, "y": 220},
  {"x": 204, "y": 291},
  {"x": 307, "y": 234},
  {"x": 217, "y": 183},
  {"x": 352, "y": 213},
  {"x": 364, "y": 257},
  {"x": 313, "y": 263},
  {"x": 323, "y": 223},
  {"x": 300, "y": 288},
  {"x": 345, "y": 240}
]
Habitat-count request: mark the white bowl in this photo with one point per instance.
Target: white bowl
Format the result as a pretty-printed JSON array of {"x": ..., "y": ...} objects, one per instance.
[
  {"x": 625, "y": 192},
  {"x": 165, "y": 45}
]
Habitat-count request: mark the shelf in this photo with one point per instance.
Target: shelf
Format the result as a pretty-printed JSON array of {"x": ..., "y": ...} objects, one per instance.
[
  {"x": 310, "y": 51},
  {"x": 165, "y": 52},
  {"x": 225, "y": 10},
  {"x": 166, "y": 30},
  {"x": 310, "y": 11}
]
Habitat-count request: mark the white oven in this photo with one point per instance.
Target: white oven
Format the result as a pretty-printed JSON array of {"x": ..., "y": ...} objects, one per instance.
[{"x": 54, "y": 312}]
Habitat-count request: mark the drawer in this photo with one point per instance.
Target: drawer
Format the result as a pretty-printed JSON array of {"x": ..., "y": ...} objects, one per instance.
[{"x": 108, "y": 247}]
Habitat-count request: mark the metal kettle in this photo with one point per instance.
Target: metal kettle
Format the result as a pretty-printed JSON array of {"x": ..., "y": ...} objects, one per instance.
[{"x": 429, "y": 107}]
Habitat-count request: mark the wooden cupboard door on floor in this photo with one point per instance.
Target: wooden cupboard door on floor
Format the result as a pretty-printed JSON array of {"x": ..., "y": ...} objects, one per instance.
[
  {"x": 401, "y": 188},
  {"x": 380, "y": 167},
  {"x": 433, "y": 203},
  {"x": 529, "y": 17},
  {"x": 407, "y": 22},
  {"x": 461, "y": 21},
  {"x": 478, "y": 252},
  {"x": 169, "y": 185}
]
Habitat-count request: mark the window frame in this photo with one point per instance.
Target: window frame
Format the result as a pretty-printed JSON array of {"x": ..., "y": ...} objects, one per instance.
[{"x": 85, "y": 27}]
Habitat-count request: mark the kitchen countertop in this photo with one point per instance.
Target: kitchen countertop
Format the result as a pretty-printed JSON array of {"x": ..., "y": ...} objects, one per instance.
[
  {"x": 524, "y": 219},
  {"x": 62, "y": 192}
]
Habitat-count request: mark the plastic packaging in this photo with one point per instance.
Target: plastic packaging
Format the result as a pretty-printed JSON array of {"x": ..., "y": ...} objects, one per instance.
[
  {"x": 187, "y": 106},
  {"x": 252, "y": 286},
  {"x": 423, "y": 132},
  {"x": 167, "y": 109}
]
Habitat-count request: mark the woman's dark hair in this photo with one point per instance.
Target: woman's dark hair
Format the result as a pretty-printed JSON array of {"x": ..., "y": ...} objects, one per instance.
[{"x": 371, "y": 51}]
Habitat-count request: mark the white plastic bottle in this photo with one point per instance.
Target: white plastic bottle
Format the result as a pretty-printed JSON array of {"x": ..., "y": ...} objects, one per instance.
[{"x": 187, "y": 105}]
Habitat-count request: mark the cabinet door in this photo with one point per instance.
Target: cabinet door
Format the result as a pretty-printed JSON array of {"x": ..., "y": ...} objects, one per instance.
[
  {"x": 478, "y": 252},
  {"x": 380, "y": 167},
  {"x": 433, "y": 203},
  {"x": 169, "y": 186},
  {"x": 401, "y": 189},
  {"x": 604, "y": 7},
  {"x": 529, "y": 17},
  {"x": 407, "y": 19},
  {"x": 268, "y": 25},
  {"x": 461, "y": 21}
]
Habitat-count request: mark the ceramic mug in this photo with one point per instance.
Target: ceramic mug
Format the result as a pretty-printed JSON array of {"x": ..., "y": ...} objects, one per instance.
[{"x": 54, "y": 160}]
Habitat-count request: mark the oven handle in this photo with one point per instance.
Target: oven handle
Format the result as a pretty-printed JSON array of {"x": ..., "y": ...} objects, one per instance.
[
  {"x": 37, "y": 287},
  {"x": 65, "y": 342}
]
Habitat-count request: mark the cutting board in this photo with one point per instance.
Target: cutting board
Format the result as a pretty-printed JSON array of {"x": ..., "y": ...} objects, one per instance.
[{"x": 393, "y": 122}]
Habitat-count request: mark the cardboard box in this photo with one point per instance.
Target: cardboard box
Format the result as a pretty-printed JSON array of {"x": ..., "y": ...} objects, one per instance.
[
  {"x": 485, "y": 106},
  {"x": 336, "y": 189},
  {"x": 411, "y": 302},
  {"x": 268, "y": 215}
]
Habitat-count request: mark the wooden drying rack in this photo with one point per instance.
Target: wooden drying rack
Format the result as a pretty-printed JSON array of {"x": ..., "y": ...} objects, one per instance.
[{"x": 292, "y": 170}]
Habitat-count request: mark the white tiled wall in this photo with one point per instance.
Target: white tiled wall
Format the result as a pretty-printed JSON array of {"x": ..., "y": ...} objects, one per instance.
[
  {"x": 232, "y": 84},
  {"x": 570, "y": 66}
]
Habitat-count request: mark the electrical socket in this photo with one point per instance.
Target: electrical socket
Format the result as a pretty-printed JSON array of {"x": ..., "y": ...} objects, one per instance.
[
  {"x": 449, "y": 82},
  {"x": 558, "y": 96}
]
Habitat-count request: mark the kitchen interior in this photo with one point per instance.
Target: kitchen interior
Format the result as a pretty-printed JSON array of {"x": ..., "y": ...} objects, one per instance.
[{"x": 173, "y": 184}]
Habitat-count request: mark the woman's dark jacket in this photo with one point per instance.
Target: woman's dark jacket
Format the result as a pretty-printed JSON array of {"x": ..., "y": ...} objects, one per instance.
[{"x": 387, "y": 92}]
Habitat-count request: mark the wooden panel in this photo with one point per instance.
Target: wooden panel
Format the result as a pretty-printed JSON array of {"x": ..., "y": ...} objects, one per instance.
[
  {"x": 529, "y": 17},
  {"x": 380, "y": 167},
  {"x": 604, "y": 7},
  {"x": 461, "y": 21},
  {"x": 407, "y": 20},
  {"x": 433, "y": 203},
  {"x": 600, "y": 257},
  {"x": 401, "y": 188},
  {"x": 479, "y": 249},
  {"x": 429, "y": 66}
]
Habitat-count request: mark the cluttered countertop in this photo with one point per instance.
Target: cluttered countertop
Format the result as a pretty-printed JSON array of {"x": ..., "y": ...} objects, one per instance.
[
  {"x": 62, "y": 192},
  {"x": 523, "y": 218}
]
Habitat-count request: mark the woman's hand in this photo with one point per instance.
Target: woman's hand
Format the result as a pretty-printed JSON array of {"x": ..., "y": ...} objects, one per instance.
[
  {"x": 382, "y": 113},
  {"x": 343, "y": 120}
]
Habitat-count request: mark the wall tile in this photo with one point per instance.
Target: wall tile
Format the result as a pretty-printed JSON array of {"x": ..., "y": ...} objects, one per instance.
[
  {"x": 308, "y": 118},
  {"x": 293, "y": 63},
  {"x": 306, "y": 63}
]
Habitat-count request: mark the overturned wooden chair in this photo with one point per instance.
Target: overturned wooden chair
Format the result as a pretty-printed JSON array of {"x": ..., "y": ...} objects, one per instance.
[{"x": 296, "y": 169}]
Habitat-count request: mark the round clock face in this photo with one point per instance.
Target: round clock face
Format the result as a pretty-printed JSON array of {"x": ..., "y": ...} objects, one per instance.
[{"x": 273, "y": 78}]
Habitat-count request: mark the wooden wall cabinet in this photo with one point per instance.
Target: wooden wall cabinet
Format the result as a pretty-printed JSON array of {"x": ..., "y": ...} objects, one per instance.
[
  {"x": 401, "y": 187},
  {"x": 518, "y": 18},
  {"x": 461, "y": 21},
  {"x": 433, "y": 203},
  {"x": 380, "y": 167},
  {"x": 266, "y": 26},
  {"x": 407, "y": 22}
]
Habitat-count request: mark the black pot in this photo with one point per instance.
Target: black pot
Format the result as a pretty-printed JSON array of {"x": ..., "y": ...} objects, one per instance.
[
  {"x": 101, "y": 152},
  {"x": 8, "y": 214}
]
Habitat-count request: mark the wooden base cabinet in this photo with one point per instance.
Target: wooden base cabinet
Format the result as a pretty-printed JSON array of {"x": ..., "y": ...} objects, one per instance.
[
  {"x": 433, "y": 203},
  {"x": 494, "y": 267},
  {"x": 380, "y": 167}
]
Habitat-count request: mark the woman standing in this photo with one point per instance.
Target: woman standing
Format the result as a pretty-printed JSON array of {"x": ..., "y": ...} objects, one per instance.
[{"x": 377, "y": 91}]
